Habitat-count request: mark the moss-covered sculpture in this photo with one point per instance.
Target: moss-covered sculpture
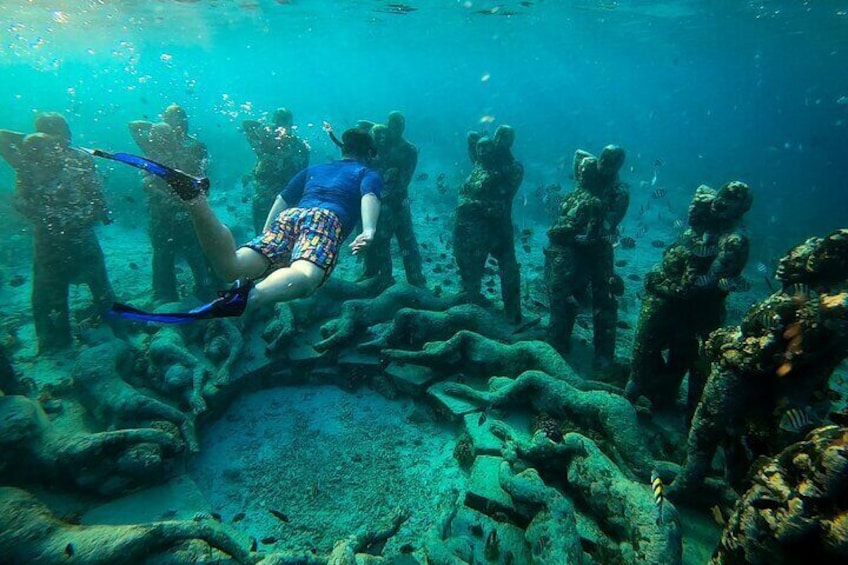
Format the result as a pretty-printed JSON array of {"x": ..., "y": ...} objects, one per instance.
[
  {"x": 473, "y": 354},
  {"x": 357, "y": 316},
  {"x": 483, "y": 220},
  {"x": 33, "y": 450},
  {"x": 685, "y": 296},
  {"x": 610, "y": 415},
  {"x": 779, "y": 359},
  {"x": 116, "y": 404},
  {"x": 795, "y": 510},
  {"x": 580, "y": 251},
  {"x": 30, "y": 533},
  {"x": 411, "y": 328}
]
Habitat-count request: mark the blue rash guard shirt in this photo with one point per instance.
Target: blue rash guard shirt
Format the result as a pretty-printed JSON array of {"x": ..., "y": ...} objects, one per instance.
[{"x": 337, "y": 186}]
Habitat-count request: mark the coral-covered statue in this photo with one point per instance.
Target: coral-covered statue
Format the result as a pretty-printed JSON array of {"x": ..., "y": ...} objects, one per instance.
[{"x": 769, "y": 374}]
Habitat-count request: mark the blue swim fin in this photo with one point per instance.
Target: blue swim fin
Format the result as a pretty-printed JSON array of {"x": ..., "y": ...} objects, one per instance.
[
  {"x": 230, "y": 303},
  {"x": 186, "y": 186}
]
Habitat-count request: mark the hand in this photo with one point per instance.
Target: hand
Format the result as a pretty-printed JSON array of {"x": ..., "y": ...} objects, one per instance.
[
  {"x": 362, "y": 241},
  {"x": 328, "y": 127}
]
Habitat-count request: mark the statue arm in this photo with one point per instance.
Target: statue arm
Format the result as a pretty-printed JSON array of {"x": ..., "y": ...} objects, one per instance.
[
  {"x": 140, "y": 131},
  {"x": 255, "y": 134},
  {"x": 731, "y": 258},
  {"x": 620, "y": 204},
  {"x": 10, "y": 143},
  {"x": 408, "y": 169}
]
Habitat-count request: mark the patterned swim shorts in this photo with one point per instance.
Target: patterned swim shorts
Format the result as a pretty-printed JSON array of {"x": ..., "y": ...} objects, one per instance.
[{"x": 311, "y": 234}]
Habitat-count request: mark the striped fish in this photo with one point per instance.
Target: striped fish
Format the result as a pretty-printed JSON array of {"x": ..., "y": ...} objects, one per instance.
[
  {"x": 659, "y": 497},
  {"x": 796, "y": 420}
]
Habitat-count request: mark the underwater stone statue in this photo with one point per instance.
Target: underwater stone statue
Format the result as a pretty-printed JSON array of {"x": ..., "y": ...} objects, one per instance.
[
  {"x": 57, "y": 189},
  {"x": 685, "y": 295},
  {"x": 795, "y": 510},
  {"x": 171, "y": 231},
  {"x": 396, "y": 161},
  {"x": 483, "y": 223},
  {"x": 777, "y": 361},
  {"x": 580, "y": 252},
  {"x": 280, "y": 154},
  {"x": 33, "y": 450}
]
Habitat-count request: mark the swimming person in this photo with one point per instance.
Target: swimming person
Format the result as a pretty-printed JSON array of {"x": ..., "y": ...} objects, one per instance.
[{"x": 296, "y": 254}]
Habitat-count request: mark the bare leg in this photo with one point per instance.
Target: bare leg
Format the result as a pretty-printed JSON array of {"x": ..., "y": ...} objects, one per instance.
[
  {"x": 296, "y": 281},
  {"x": 218, "y": 245}
]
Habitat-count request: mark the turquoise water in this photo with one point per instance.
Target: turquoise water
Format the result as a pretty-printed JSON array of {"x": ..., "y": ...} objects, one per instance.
[{"x": 696, "y": 91}]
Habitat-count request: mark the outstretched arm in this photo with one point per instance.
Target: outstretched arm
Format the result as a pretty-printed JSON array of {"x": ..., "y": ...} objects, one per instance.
[{"x": 370, "y": 208}]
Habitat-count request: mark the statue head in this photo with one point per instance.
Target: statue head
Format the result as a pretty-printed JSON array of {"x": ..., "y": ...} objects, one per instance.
[
  {"x": 504, "y": 137},
  {"x": 283, "y": 118},
  {"x": 396, "y": 124},
  {"x": 55, "y": 124},
  {"x": 381, "y": 136},
  {"x": 611, "y": 160},
  {"x": 732, "y": 201},
  {"x": 176, "y": 117},
  {"x": 485, "y": 150}
]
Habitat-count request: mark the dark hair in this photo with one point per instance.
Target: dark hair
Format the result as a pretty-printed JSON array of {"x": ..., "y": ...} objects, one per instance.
[{"x": 359, "y": 144}]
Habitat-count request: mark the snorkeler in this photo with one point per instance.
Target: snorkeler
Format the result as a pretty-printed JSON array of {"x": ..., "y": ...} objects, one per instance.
[{"x": 299, "y": 250}]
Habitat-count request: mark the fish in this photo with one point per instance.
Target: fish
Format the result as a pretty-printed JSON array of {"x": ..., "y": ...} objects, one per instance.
[
  {"x": 200, "y": 516},
  {"x": 800, "y": 291},
  {"x": 717, "y": 516},
  {"x": 401, "y": 9},
  {"x": 796, "y": 420},
  {"x": 280, "y": 516},
  {"x": 658, "y": 243},
  {"x": 704, "y": 280},
  {"x": 736, "y": 284},
  {"x": 69, "y": 550},
  {"x": 704, "y": 251},
  {"x": 16, "y": 281},
  {"x": 634, "y": 277},
  {"x": 678, "y": 223},
  {"x": 528, "y": 325},
  {"x": 641, "y": 230},
  {"x": 421, "y": 177},
  {"x": 254, "y": 545},
  {"x": 268, "y": 540},
  {"x": 621, "y": 263},
  {"x": 659, "y": 497},
  {"x": 658, "y": 193},
  {"x": 482, "y": 419},
  {"x": 761, "y": 268},
  {"x": 627, "y": 243},
  {"x": 238, "y": 517},
  {"x": 622, "y": 325}
]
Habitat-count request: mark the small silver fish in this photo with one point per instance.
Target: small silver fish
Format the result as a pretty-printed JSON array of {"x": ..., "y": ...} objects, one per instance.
[{"x": 762, "y": 268}]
